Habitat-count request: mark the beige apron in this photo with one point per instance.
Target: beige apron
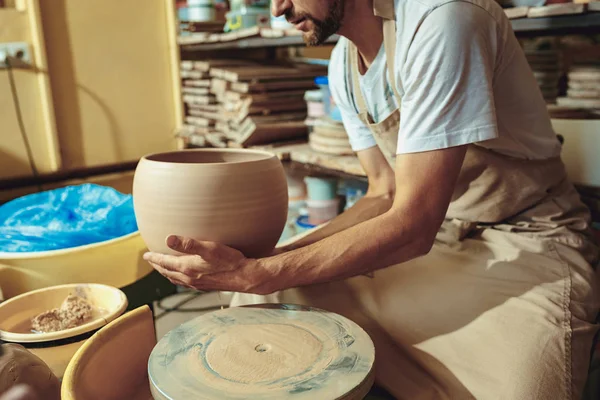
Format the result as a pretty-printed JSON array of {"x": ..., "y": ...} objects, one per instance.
[{"x": 504, "y": 304}]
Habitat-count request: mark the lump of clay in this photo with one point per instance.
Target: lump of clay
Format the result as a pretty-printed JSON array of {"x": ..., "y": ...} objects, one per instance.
[
  {"x": 19, "y": 366},
  {"x": 74, "y": 311}
]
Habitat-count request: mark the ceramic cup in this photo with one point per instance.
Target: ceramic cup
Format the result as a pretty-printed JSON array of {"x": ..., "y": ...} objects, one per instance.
[{"x": 237, "y": 197}]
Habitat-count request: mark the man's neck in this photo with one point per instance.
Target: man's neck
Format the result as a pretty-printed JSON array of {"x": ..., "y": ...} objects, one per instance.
[{"x": 363, "y": 29}]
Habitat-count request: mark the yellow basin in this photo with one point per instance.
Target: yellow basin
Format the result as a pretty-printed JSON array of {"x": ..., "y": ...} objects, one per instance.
[
  {"x": 116, "y": 262},
  {"x": 57, "y": 348}
]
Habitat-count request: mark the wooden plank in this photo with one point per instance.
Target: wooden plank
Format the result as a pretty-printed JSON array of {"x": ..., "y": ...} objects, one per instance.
[
  {"x": 302, "y": 156},
  {"x": 253, "y": 134},
  {"x": 195, "y": 90},
  {"x": 193, "y": 74},
  {"x": 197, "y": 82},
  {"x": 516, "y": 12},
  {"x": 211, "y": 115},
  {"x": 196, "y": 130},
  {"x": 555, "y": 9},
  {"x": 266, "y": 73},
  {"x": 276, "y": 117},
  {"x": 206, "y": 107},
  {"x": 199, "y": 121},
  {"x": 265, "y": 97},
  {"x": 249, "y": 87},
  {"x": 200, "y": 100},
  {"x": 206, "y": 65}
]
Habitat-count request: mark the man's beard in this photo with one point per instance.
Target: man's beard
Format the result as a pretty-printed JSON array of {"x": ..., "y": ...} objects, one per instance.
[{"x": 322, "y": 29}]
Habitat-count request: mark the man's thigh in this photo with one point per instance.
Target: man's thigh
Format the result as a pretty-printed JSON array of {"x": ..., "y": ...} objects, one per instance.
[{"x": 473, "y": 320}]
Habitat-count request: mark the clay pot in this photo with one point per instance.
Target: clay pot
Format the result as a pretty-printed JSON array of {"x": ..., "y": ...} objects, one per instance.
[{"x": 237, "y": 197}]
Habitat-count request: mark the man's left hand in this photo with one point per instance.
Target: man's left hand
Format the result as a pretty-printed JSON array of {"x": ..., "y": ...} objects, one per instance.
[{"x": 210, "y": 266}]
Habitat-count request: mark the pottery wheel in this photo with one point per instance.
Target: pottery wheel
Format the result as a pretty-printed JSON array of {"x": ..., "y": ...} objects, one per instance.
[{"x": 269, "y": 351}]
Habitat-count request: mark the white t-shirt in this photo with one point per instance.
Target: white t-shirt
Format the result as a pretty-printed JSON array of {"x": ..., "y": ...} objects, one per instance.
[{"x": 462, "y": 76}]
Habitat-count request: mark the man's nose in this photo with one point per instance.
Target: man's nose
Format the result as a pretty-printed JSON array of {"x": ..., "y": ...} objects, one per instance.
[{"x": 278, "y": 7}]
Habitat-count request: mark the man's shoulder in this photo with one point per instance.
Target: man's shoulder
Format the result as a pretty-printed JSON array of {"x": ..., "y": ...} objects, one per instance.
[{"x": 425, "y": 7}]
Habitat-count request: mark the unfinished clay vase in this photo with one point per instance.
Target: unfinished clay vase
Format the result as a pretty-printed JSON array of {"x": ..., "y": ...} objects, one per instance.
[{"x": 236, "y": 197}]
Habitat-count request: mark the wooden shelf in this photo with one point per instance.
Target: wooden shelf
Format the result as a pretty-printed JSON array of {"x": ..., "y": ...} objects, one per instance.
[
  {"x": 564, "y": 24},
  {"x": 301, "y": 156},
  {"x": 249, "y": 43},
  {"x": 558, "y": 25}
]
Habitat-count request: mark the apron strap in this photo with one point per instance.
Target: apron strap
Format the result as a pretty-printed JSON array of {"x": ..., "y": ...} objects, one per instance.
[
  {"x": 385, "y": 10},
  {"x": 362, "y": 105}
]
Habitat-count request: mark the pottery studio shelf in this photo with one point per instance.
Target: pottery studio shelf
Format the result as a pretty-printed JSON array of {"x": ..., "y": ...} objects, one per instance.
[
  {"x": 580, "y": 21},
  {"x": 587, "y": 23},
  {"x": 301, "y": 157},
  {"x": 244, "y": 39}
]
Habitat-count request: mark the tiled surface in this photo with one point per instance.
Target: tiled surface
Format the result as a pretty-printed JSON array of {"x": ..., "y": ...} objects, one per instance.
[{"x": 195, "y": 305}]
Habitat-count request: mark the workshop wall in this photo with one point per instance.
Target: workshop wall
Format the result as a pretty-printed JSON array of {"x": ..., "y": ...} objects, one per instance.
[{"x": 101, "y": 90}]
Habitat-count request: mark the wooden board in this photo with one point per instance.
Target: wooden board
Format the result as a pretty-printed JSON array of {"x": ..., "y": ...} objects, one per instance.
[
  {"x": 248, "y": 87},
  {"x": 578, "y": 103},
  {"x": 205, "y": 107},
  {"x": 555, "y": 9},
  {"x": 267, "y": 96},
  {"x": 251, "y": 134},
  {"x": 196, "y": 130},
  {"x": 209, "y": 115},
  {"x": 192, "y": 74},
  {"x": 516, "y": 12},
  {"x": 206, "y": 65},
  {"x": 276, "y": 117},
  {"x": 197, "y": 82},
  {"x": 239, "y": 112},
  {"x": 275, "y": 351},
  {"x": 199, "y": 121},
  {"x": 199, "y": 100},
  {"x": 195, "y": 90},
  {"x": 265, "y": 73},
  {"x": 583, "y": 94}
]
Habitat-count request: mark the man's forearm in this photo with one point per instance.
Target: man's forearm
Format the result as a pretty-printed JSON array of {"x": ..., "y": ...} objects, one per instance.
[
  {"x": 365, "y": 209},
  {"x": 373, "y": 244}
]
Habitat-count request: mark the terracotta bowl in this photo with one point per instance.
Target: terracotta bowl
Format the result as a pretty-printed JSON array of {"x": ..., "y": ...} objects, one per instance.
[
  {"x": 57, "y": 348},
  {"x": 236, "y": 197}
]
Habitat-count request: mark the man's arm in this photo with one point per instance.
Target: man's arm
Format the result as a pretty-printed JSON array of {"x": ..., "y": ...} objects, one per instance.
[
  {"x": 377, "y": 200},
  {"x": 424, "y": 187}
]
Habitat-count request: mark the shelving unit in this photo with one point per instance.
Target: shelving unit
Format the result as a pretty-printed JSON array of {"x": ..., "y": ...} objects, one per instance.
[
  {"x": 588, "y": 23},
  {"x": 251, "y": 43},
  {"x": 300, "y": 156}
]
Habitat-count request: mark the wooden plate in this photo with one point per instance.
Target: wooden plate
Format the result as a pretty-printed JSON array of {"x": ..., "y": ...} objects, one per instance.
[{"x": 268, "y": 351}]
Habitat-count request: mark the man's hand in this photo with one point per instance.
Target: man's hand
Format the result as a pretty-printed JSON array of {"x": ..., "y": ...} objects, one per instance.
[{"x": 210, "y": 266}]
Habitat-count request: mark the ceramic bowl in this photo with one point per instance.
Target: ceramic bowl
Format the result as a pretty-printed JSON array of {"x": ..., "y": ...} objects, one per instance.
[
  {"x": 116, "y": 262},
  {"x": 57, "y": 348},
  {"x": 237, "y": 197}
]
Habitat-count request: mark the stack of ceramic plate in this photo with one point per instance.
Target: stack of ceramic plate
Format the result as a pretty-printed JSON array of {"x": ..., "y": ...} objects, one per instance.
[
  {"x": 584, "y": 87},
  {"x": 329, "y": 136},
  {"x": 546, "y": 69}
]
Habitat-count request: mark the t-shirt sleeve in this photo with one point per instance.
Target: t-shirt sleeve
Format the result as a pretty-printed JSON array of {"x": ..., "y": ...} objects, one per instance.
[
  {"x": 359, "y": 135},
  {"x": 447, "y": 80}
]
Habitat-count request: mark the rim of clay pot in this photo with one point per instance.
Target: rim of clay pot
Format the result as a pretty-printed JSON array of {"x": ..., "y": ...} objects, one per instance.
[
  {"x": 95, "y": 324},
  {"x": 48, "y": 253},
  {"x": 265, "y": 155}
]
